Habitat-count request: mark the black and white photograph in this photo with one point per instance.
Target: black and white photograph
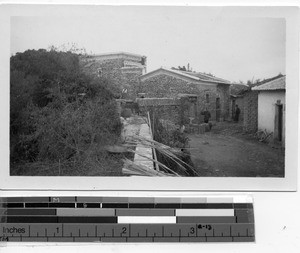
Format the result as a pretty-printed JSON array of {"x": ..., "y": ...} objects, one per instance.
[
  {"x": 149, "y": 92},
  {"x": 136, "y": 92}
]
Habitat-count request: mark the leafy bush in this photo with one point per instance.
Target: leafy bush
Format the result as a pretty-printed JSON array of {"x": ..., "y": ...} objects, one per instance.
[
  {"x": 174, "y": 139},
  {"x": 58, "y": 113}
]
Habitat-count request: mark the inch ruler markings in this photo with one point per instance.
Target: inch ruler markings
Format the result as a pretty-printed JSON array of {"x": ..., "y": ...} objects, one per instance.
[{"x": 123, "y": 219}]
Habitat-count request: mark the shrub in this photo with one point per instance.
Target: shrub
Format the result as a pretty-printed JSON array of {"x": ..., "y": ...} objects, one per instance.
[{"x": 57, "y": 112}]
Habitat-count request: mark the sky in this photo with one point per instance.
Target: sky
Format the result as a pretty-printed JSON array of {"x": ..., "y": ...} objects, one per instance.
[{"x": 236, "y": 49}]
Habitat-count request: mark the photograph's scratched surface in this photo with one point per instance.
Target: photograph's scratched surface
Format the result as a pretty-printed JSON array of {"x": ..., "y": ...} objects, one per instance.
[{"x": 123, "y": 219}]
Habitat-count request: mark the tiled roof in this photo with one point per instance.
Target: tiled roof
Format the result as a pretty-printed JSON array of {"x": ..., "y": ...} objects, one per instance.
[
  {"x": 192, "y": 75},
  {"x": 205, "y": 76},
  {"x": 277, "y": 84}
]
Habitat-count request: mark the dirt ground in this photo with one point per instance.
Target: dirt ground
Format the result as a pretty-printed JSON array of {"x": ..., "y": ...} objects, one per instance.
[{"x": 227, "y": 152}]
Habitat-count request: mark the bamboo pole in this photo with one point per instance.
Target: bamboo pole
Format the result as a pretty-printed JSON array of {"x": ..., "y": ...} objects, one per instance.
[{"x": 156, "y": 167}]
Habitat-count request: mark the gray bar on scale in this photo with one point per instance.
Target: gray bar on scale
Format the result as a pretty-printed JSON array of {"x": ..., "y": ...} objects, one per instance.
[
  {"x": 219, "y": 239},
  {"x": 14, "y": 239},
  {"x": 206, "y": 219},
  {"x": 85, "y": 212},
  {"x": 192, "y": 239},
  {"x": 83, "y": 199},
  {"x": 30, "y": 211},
  {"x": 243, "y": 239},
  {"x": 113, "y": 239},
  {"x": 167, "y": 200},
  {"x": 141, "y": 200},
  {"x": 12, "y": 200},
  {"x": 166, "y": 239},
  {"x": 87, "y": 239},
  {"x": 193, "y": 200},
  {"x": 36, "y": 199},
  {"x": 139, "y": 239},
  {"x": 115, "y": 200},
  {"x": 60, "y": 239},
  {"x": 34, "y": 239}
]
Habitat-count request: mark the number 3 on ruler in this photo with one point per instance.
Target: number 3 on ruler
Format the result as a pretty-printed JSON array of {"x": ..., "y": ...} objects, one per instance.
[{"x": 192, "y": 230}]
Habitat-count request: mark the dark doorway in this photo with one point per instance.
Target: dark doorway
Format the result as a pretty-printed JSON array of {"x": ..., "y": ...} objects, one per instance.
[
  {"x": 278, "y": 121},
  {"x": 218, "y": 109},
  {"x": 233, "y": 109}
]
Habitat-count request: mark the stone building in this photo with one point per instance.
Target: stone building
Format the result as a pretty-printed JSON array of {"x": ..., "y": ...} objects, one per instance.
[
  {"x": 121, "y": 69},
  {"x": 203, "y": 90}
]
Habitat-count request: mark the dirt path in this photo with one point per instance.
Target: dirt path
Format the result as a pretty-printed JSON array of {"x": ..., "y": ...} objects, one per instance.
[{"x": 226, "y": 152}]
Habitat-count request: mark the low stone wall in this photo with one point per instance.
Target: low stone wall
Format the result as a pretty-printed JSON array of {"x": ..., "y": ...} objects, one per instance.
[{"x": 164, "y": 108}]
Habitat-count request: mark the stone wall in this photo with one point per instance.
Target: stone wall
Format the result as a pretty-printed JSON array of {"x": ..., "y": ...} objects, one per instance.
[
  {"x": 223, "y": 94},
  {"x": 118, "y": 70},
  {"x": 164, "y": 108},
  {"x": 251, "y": 111},
  {"x": 130, "y": 81},
  {"x": 170, "y": 86}
]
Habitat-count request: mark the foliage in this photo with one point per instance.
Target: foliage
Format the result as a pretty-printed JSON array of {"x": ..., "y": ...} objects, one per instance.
[
  {"x": 174, "y": 139},
  {"x": 57, "y": 113}
]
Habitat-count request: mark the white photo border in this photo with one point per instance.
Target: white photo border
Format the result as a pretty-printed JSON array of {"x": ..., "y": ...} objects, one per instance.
[{"x": 288, "y": 183}]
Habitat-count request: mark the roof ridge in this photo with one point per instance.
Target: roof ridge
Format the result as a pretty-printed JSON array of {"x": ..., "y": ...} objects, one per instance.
[
  {"x": 118, "y": 52},
  {"x": 183, "y": 74},
  {"x": 206, "y": 75},
  {"x": 268, "y": 85}
]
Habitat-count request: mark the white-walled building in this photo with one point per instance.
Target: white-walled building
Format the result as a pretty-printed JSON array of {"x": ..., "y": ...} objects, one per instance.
[{"x": 271, "y": 108}]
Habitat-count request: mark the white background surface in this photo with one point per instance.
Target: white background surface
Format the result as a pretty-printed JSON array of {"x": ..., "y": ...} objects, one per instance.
[
  {"x": 277, "y": 224},
  {"x": 277, "y": 221}
]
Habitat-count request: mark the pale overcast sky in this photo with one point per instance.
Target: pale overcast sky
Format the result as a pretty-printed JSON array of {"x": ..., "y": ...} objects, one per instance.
[{"x": 231, "y": 48}]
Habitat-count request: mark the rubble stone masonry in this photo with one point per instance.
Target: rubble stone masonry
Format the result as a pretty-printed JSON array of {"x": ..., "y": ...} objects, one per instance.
[
  {"x": 120, "y": 69},
  {"x": 250, "y": 111},
  {"x": 164, "y": 85}
]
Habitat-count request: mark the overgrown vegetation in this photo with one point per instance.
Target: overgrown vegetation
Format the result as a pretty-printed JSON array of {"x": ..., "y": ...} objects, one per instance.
[
  {"x": 60, "y": 118},
  {"x": 179, "y": 142}
]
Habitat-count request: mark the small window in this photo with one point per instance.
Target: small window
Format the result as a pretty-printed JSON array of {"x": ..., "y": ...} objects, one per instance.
[{"x": 207, "y": 98}]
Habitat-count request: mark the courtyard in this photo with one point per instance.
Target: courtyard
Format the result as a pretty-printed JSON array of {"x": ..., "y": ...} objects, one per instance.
[{"x": 226, "y": 151}]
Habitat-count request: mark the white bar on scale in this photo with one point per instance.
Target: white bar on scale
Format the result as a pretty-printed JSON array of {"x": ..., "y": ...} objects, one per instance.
[{"x": 147, "y": 219}]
